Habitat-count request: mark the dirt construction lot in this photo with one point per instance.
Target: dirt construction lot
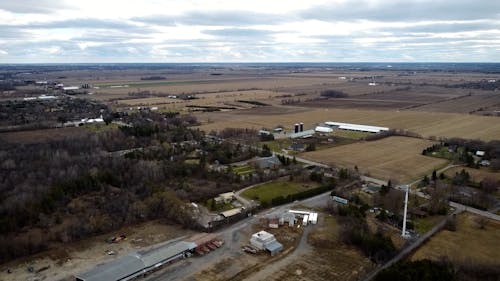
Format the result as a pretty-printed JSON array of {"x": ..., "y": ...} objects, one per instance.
[
  {"x": 396, "y": 158},
  {"x": 65, "y": 261},
  {"x": 468, "y": 243}
]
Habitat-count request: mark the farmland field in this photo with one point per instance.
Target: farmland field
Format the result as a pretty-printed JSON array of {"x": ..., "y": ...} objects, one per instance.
[
  {"x": 219, "y": 99},
  {"x": 468, "y": 243},
  {"x": 266, "y": 192},
  {"x": 424, "y": 123},
  {"x": 396, "y": 158}
]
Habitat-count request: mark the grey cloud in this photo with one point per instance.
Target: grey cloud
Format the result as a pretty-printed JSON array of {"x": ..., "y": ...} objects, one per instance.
[
  {"x": 9, "y": 32},
  {"x": 239, "y": 32},
  {"x": 400, "y": 10},
  {"x": 91, "y": 23},
  {"x": 214, "y": 18},
  {"x": 32, "y": 6},
  {"x": 108, "y": 37},
  {"x": 448, "y": 27}
]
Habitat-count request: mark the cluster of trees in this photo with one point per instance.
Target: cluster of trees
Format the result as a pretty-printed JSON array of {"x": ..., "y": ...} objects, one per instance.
[
  {"x": 443, "y": 270},
  {"x": 333, "y": 94},
  {"x": 47, "y": 113},
  {"x": 355, "y": 231},
  {"x": 286, "y": 161},
  {"x": 468, "y": 147},
  {"x": 63, "y": 190},
  {"x": 237, "y": 133},
  {"x": 421, "y": 270},
  {"x": 376, "y": 246},
  {"x": 153, "y": 77},
  {"x": 480, "y": 85}
]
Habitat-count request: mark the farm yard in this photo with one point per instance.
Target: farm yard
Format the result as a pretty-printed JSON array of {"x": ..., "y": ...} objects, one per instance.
[
  {"x": 469, "y": 243},
  {"x": 396, "y": 158}
]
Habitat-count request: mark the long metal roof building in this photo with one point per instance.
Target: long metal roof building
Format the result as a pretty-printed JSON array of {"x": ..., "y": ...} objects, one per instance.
[
  {"x": 137, "y": 263},
  {"x": 357, "y": 127},
  {"x": 124, "y": 268}
]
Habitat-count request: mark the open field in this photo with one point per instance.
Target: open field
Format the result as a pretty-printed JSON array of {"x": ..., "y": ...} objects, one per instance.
[
  {"x": 396, "y": 158},
  {"x": 422, "y": 225},
  {"x": 424, "y": 123},
  {"x": 477, "y": 175},
  {"x": 194, "y": 86},
  {"x": 266, "y": 192},
  {"x": 361, "y": 103},
  {"x": 463, "y": 104},
  {"x": 468, "y": 243},
  {"x": 222, "y": 99}
]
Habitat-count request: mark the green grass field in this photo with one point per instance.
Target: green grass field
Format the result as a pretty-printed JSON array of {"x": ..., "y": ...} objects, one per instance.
[
  {"x": 212, "y": 206},
  {"x": 243, "y": 170},
  {"x": 422, "y": 225},
  {"x": 266, "y": 192},
  {"x": 278, "y": 145}
]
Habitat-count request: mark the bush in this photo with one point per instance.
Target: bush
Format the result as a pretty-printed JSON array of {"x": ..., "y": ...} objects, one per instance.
[
  {"x": 333, "y": 94},
  {"x": 422, "y": 270}
]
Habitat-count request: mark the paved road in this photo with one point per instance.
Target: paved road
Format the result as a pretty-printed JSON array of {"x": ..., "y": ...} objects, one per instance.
[{"x": 482, "y": 213}]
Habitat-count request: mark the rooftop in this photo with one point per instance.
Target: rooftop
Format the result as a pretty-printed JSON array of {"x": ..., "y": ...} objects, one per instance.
[
  {"x": 230, "y": 213},
  {"x": 114, "y": 270},
  {"x": 303, "y": 134},
  {"x": 157, "y": 255},
  {"x": 263, "y": 235}
]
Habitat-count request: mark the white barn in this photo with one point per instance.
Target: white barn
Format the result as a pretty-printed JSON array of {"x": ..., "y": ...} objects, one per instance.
[{"x": 356, "y": 127}]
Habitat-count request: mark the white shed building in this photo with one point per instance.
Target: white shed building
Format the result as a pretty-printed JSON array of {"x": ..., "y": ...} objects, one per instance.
[{"x": 356, "y": 127}]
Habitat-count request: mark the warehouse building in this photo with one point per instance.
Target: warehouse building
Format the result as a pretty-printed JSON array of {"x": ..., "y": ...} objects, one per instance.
[
  {"x": 356, "y": 127},
  {"x": 264, "y": 240}
]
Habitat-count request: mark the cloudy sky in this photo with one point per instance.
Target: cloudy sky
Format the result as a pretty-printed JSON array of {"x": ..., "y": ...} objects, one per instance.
[{"x": 249, "y": 31}]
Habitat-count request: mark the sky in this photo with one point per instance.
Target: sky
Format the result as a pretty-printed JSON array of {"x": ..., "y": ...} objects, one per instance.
[{"x": 114, "y": 31}]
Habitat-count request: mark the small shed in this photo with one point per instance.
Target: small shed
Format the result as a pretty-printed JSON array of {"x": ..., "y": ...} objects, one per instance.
[
  {"x": 273, "y": 223},
  {"x": 224, "y": 197},
  {"x": 274, "y": 247}
]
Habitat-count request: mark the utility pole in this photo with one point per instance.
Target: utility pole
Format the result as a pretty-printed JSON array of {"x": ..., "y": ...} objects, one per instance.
[{"x": 403, "y": 232}]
